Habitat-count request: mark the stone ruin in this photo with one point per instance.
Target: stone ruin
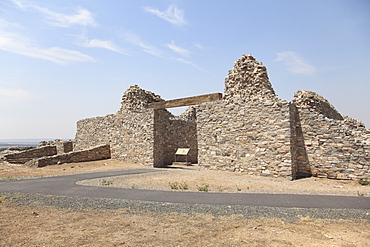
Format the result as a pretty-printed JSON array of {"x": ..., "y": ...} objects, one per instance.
[
  {"x": 249, "y": 130},
  {"x": 139, "y": 134}
]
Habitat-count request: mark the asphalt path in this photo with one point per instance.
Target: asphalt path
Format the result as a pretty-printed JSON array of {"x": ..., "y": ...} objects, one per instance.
[{"x": 66, "y": 186}]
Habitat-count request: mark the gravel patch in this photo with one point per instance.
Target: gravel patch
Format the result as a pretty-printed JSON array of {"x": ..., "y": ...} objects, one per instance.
[{"x": 249, "y": 212}]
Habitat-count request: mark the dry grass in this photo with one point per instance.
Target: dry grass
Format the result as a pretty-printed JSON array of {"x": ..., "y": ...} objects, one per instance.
[{"x": 47, "y": 226}]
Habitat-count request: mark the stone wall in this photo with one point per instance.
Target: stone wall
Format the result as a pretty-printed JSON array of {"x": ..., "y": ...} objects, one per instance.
[
  {"x": 300, "y": 164},
  {"x": 97, "y": 153},
  {"x": 64, "y": 147},
  {"x": 252, "y": 138},
  {"x": 249, "y": 130},
  {"x": 27, "y": 155},
  {"x": 137, "y": 134},
  {"x": 337, "y": 147},
  {"x": 128, "y": 133}
]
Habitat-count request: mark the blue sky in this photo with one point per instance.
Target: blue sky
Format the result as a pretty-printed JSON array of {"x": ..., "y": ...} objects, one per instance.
[{"x": 62, "y": 61}]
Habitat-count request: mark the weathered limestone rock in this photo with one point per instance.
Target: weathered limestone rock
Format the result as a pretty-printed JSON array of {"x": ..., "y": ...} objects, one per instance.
[
  {"x": 315, "y": 102},
  {"x": 136, "y": 98},
  {"x": 247, "y": 80}
]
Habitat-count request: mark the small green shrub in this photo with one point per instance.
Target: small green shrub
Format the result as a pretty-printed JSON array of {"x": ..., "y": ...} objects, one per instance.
[
  {"x": 203, "y": 188},
  {"x": 364, "y": 182},
  {"x": 184, "y": 186},
  {"x": 174, "y": 186},
  {"x": 360, "y": 194},
  {"x": 237, "y": 188},
  {"x": 178, "y": 186},
  {"x": 106, "y": 182}
]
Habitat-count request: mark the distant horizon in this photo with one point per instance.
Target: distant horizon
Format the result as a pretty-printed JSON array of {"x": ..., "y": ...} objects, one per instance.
[{"x": 29, "y": 140}]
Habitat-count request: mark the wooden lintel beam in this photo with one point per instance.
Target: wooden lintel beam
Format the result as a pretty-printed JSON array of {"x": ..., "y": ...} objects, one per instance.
[{"x": 185, "y": 101}]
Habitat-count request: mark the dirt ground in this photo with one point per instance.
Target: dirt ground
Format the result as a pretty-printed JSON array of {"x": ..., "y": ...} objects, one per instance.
[{"x": 36, "y": 225}]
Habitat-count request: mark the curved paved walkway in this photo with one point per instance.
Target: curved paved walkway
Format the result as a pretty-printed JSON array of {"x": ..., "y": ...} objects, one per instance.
[{"x": 66, "y": 186}]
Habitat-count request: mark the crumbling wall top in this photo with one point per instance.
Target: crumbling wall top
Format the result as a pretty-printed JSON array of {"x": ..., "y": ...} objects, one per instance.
[
  {"x": 135, "y": 98},
  {"x": 188, "y": 115},
  {"x": 248, "y": 79},
  {"x": 314, "y": 101}
]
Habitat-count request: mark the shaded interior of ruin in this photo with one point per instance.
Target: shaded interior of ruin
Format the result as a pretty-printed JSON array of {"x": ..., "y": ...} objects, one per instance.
[{"x": 173, "y": 132}]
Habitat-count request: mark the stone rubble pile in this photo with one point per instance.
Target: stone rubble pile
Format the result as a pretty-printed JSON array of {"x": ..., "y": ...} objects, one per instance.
[
  {"x": 247, "y": 80},
  {"x": 315, "y": 102},
  {"x": 136, "y": 98}
]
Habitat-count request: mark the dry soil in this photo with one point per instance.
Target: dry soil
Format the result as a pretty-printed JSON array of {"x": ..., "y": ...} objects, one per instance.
[{"x": 37, "y": 225}]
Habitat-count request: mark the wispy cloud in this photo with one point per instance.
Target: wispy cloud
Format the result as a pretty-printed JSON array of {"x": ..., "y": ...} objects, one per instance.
[
  {"x": 13, "y": 95},
  {"x": 153, "y": 50},
  {"x": 136, "y": 40},
  {"x": 15, "y": 43},
  {"x": 295, "y": 63},
  {"x": 188, "y": 63},
  {"x": 173, "y": 15},
  {"x": 104, "y": 44},
  {"x": 177, "y": 49},
  {"x": 198, "y": 45},
  {"x": 82, "y": 17},
  {"x": 19, "y": 4}
]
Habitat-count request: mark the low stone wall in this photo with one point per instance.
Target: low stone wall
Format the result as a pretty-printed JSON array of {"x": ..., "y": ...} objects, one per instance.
[
  {"x": 27, "y": 155},
  {"x": 97, "y": 153}
]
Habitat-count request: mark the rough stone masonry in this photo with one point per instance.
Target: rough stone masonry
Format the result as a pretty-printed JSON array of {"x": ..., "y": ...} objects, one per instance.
[{"x": 249, "y": 130}]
